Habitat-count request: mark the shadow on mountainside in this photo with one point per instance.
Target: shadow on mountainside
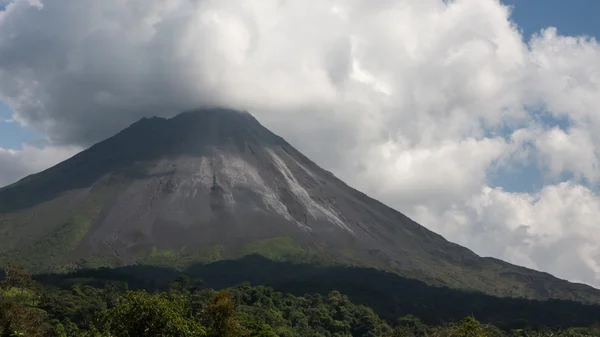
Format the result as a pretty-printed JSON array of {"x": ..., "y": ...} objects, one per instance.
[
  {"x": 389, "y": 295},
  {"x": 187, "y": 134}
]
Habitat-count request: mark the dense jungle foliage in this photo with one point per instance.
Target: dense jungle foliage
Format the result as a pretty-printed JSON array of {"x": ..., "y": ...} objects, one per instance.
[{"x": 188, "y": 308}]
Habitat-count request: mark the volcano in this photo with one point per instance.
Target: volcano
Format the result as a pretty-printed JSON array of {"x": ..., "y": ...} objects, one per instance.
[{"x": 214, "y": 184}]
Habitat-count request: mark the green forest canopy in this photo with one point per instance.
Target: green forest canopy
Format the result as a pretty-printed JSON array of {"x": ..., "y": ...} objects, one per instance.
[{"x": 188, "y": 308}]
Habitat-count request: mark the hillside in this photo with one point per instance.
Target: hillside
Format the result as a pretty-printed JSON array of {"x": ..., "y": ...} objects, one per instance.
[{"x": 214, "y": 185}]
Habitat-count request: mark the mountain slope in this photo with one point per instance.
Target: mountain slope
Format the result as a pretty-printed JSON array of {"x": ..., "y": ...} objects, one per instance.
[{"x": 215, "y": 184}]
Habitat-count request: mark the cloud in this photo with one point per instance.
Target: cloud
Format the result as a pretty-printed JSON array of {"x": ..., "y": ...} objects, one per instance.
[
  {"x": 572, "y": 152},
  {"x": 416, "y": 101},
  {"x": 16, "y": 164},
  {"x": 434, "y": 174},
  {"x": 80, "y": 78},
  {"x": 554, "y": 229}
]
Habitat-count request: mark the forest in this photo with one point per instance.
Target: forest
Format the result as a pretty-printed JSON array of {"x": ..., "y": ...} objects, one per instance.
[{"x": 188, "y": 307}]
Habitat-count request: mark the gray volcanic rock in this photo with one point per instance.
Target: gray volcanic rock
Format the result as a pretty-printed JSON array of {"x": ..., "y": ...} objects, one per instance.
[{"x": 215, "y": 184}]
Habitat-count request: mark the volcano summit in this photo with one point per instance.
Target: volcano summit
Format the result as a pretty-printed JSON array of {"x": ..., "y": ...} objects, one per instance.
[{"x": 214, "y": 184}]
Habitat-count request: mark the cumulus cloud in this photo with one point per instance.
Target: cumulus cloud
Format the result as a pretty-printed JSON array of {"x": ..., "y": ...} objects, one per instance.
[
  {"x": 410, "y": 66},
  {"x": 572, "y": 151},
  {"x": 553, "y": 229},
  {"x": 16, "y": 164},
  {"x": 417, "y": 101}
]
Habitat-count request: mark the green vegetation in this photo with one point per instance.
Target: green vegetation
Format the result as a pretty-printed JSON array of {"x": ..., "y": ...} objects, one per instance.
[
  {"x": 285, "y": 249},
  {"x": 49, "y": 252},
  {"x": 282, "y": 249},
  {"x": 181, "y": 259},
  {"x": 187, "y": 307},
  {"x": 278, "y": 248},
  {"x": 389, "y": 295}
]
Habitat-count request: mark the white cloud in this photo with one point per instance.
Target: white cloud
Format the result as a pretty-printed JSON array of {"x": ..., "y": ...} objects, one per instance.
[
  {"x": 563, "y": 78},
  {"x": 400, "y": 67},
  {"x": 416, "y": 101},
  {"x": 572, "y": 151},
  {"x": 554, "y": 230},
  {"x": 433, "y": 175},
  {"x": 16, "y": 164}
]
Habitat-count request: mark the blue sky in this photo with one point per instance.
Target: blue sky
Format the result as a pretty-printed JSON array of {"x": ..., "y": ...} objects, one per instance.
[
  {"x": 12, "y": 135},
  {"x": 574, "y": 17}
]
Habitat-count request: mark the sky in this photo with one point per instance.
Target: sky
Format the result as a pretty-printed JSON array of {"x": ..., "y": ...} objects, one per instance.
[{"x": 479, "y": 119}]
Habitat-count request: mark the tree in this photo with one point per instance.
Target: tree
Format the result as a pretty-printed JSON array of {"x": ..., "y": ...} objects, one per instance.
[
  {"x": 470, "y": 327},
  {"x": 140, "y": 314},
  {"x": 409, "y": 326},
  {"x": 18, "y": 316},
  {"x": 222, "y": 318},
  {"x": 18, "y": 319},
  {"x": 181, "y": 284},
  {"x": 17, "y": 278}
]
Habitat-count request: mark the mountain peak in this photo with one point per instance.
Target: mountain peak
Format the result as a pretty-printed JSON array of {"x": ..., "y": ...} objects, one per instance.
[
  {"x": 192, "y": 132},
  {"x": 215, "y": 184}
]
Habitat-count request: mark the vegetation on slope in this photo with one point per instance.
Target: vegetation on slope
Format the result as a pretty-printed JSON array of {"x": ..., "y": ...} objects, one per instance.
[
  {"x": 49, "y": 251},
  {"x": 389, "y": 295},
  {"x": 188, "y": 308},
  {"x": 280, "y": 248}
]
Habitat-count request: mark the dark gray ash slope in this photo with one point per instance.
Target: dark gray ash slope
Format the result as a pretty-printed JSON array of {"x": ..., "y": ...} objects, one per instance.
[{"x": 218, "y": 178}]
